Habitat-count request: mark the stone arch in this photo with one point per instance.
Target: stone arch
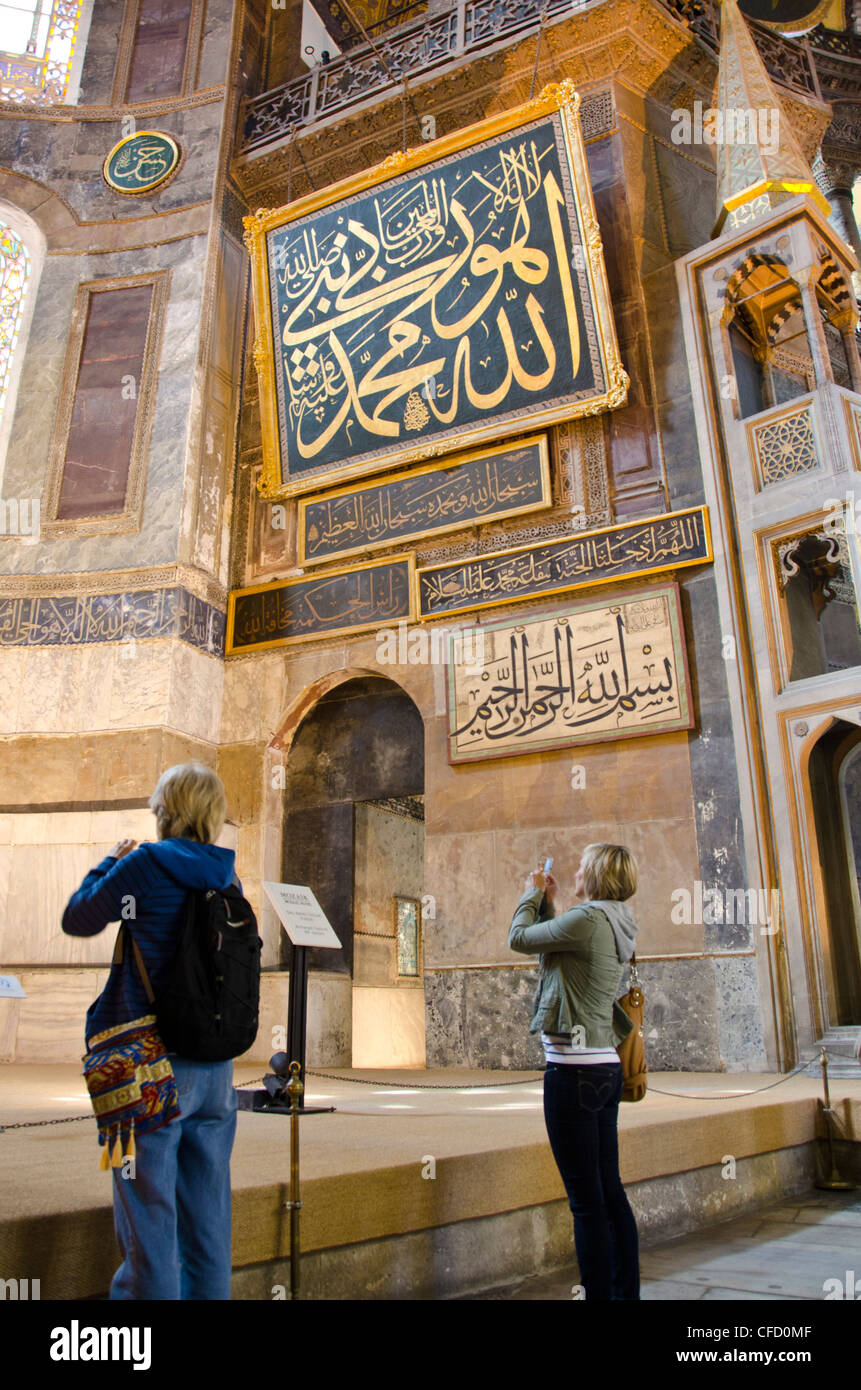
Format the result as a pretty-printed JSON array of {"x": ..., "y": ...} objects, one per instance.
[
  {"x": 353, "y": 831},
  {"x": 835, "y": 937}
]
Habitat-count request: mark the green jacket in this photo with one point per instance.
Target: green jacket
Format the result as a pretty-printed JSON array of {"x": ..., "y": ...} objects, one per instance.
[{"x": 582, "y": 962}]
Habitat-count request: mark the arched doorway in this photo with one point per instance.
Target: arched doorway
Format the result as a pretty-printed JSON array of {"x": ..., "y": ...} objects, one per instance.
[
  {"x": 354, "y": 833},
  {"x": 835, "y": 785}
]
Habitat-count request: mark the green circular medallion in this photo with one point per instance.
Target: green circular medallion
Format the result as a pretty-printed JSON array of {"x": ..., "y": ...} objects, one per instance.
[{"x": 141, "y": 162}]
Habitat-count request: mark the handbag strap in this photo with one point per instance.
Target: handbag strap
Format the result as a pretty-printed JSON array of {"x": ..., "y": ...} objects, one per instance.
[
  {"x": 118, "y": 956},
  {"x": 634, "y": 980}
]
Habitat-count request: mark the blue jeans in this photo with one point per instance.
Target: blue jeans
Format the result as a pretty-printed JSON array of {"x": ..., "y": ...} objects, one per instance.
[
  {"x": 581, "y": 1110},
  {"x": 173, "y": 1218}
]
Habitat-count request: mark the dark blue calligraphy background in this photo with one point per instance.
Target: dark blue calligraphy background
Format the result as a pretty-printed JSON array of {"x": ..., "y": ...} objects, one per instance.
[
  {"x": 440, "y": 301},
  {"x": 328, "y": 603}
]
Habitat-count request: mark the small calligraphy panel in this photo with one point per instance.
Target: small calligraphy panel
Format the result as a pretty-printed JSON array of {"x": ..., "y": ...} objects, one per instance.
[
  {"x": 435, "y": 303},
  {"x": 600, "y": 670},
  {"x": 338, "y": 601},
  {"x": 487, "y": 486},
  {"x": 587, "y": 558}
]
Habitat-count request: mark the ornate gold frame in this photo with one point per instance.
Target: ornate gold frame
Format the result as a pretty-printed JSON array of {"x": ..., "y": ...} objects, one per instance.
[
  {"x": 565, "y": 540},
  {"x": 129, "y": 519},
  {"x": 450, "y": 461},
  {"x": 151, "y": 187},
  {"x": 339, "y": 632},
  {"x": 559, "y": 97}
]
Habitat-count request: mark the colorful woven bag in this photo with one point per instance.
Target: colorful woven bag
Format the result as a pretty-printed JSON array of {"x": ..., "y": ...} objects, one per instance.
[{"x": 130, "y": 1081}]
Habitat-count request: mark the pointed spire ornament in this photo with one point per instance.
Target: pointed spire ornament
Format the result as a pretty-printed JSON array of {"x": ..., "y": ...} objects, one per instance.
[{"x": 760, "y": 163}]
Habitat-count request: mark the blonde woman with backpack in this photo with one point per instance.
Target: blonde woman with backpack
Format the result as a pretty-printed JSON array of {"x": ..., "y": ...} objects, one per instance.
[{"x": 172, "y": 1204}]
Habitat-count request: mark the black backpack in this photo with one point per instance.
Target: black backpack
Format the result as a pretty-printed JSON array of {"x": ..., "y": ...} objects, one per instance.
[{"x": 209, "y": 998}]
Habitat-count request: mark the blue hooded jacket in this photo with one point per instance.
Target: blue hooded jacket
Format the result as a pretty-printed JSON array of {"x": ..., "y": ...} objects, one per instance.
[{"x": 147, "y": 889}]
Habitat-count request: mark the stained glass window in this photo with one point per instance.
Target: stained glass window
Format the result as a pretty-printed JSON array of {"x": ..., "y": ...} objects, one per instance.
[
  {"x": 14, "y": 274},
  {"x": 37, "y": 41}
]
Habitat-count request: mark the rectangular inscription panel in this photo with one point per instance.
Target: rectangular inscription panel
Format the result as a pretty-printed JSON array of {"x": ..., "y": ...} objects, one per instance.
[
  {"x": 340, "y": 601},
  {"x": 433, "y": 302},
  {"x": 589, "y": 557},
  {"x": 600, "y": 670},
  {"x": 487, "y": 486}
]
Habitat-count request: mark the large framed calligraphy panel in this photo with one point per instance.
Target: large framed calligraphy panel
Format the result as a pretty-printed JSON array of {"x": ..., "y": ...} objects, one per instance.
[
  {"x": 333, "y": 603},
  {"x": 433, "y": 303},
  {"x": 487, "y": 485},
  {"x": 647, "y": 546},
  {"x": 601, "y": 670}
]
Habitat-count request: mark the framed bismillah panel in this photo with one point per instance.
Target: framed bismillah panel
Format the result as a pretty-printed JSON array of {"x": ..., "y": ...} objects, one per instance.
[
  {"x": 604, "y": 669},
  {"x": 649, "y": 545},
  {"x": 328, "y": 604},
  {"x": 434, "y": 302},
  {"x": 487, "y": 485}
]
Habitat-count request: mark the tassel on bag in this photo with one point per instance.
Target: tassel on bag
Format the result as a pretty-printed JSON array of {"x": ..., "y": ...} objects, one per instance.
[
  {"x": 105, "y": 1159},
  {"x": 117, "y": 1155}
]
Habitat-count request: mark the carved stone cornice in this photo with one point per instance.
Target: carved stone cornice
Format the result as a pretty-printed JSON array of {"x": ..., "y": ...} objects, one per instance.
[
  {"x": 112, "y": 581},
  {"x": 71, "y": 115}
]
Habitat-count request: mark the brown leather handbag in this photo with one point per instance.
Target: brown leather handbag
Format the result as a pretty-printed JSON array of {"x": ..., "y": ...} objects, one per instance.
[{"x": 632, "y": 1052}]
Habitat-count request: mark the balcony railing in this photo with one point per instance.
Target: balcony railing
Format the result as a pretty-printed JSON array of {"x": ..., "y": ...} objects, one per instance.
[{"x": 469, "y": 26}]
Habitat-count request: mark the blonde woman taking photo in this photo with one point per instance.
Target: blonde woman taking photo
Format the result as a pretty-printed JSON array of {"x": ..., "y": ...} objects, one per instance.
[{"x": 583, "y": 955}]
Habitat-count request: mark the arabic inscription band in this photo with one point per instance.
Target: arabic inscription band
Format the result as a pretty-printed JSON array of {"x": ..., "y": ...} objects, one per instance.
[
  {"x": 597, "y": 671},
  {"x": 502, "y": 481},
  {"x": 652, "y": 545},
  {"x": 337, "y": 601},
  {"x": 434, "y": 302}
]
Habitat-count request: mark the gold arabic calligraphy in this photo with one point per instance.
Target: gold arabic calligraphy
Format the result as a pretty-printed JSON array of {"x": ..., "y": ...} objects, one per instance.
[{"x": 428, "y": 302}]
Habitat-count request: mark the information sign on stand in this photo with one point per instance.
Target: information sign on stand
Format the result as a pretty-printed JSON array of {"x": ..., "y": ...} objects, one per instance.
[{"x": 307, "y": 925}]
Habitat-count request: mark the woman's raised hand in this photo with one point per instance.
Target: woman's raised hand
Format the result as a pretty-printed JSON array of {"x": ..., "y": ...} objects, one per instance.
[{"x": 122, "y": 847}]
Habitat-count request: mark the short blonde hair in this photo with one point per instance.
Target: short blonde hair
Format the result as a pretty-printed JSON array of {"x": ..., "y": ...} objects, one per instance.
[
  {"x": 609, "y": 872},
  {"x": 189, "y": 801}
]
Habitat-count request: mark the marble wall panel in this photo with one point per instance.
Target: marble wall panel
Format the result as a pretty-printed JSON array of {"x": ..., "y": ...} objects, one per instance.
[
  {"x": 29, "y": 442},
  {"x": 666, "y": 855},
  {"x": 680, "y": 1021},
  {"x": 740, "y": 1032},
  {"x": 242, "y": 696},
  {"x": 67, "y": 157},
  {"x": 481, "y": 1018},
  {"x": 388, "y": 1028},
  {"x": 239, "y": 766},
  {"x": 97, "y": 73},
  {"x": 460, "y": 876},
  {"x": 194, "y": 704},
  {"x": 47, "y": 856},
  {"x": 389, "y": 860},
  {"x": 52, "y": 1017},
  {"x": 11, "y": 686}
]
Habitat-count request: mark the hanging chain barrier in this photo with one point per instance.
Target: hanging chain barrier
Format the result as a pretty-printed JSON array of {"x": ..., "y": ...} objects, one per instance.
[{"x": 448, "y": 1086}]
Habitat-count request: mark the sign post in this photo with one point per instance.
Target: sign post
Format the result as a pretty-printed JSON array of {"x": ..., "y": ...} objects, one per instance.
[{"x": 306, "y": 925}]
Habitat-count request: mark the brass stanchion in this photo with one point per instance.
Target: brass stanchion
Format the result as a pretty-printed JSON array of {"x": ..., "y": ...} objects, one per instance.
[
  {"x": 835, "y": 1183},
  {"x": 294, "y": 1090}
]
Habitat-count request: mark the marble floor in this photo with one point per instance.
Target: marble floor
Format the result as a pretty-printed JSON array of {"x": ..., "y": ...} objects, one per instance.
[{"x": 783, "y": 1252}]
